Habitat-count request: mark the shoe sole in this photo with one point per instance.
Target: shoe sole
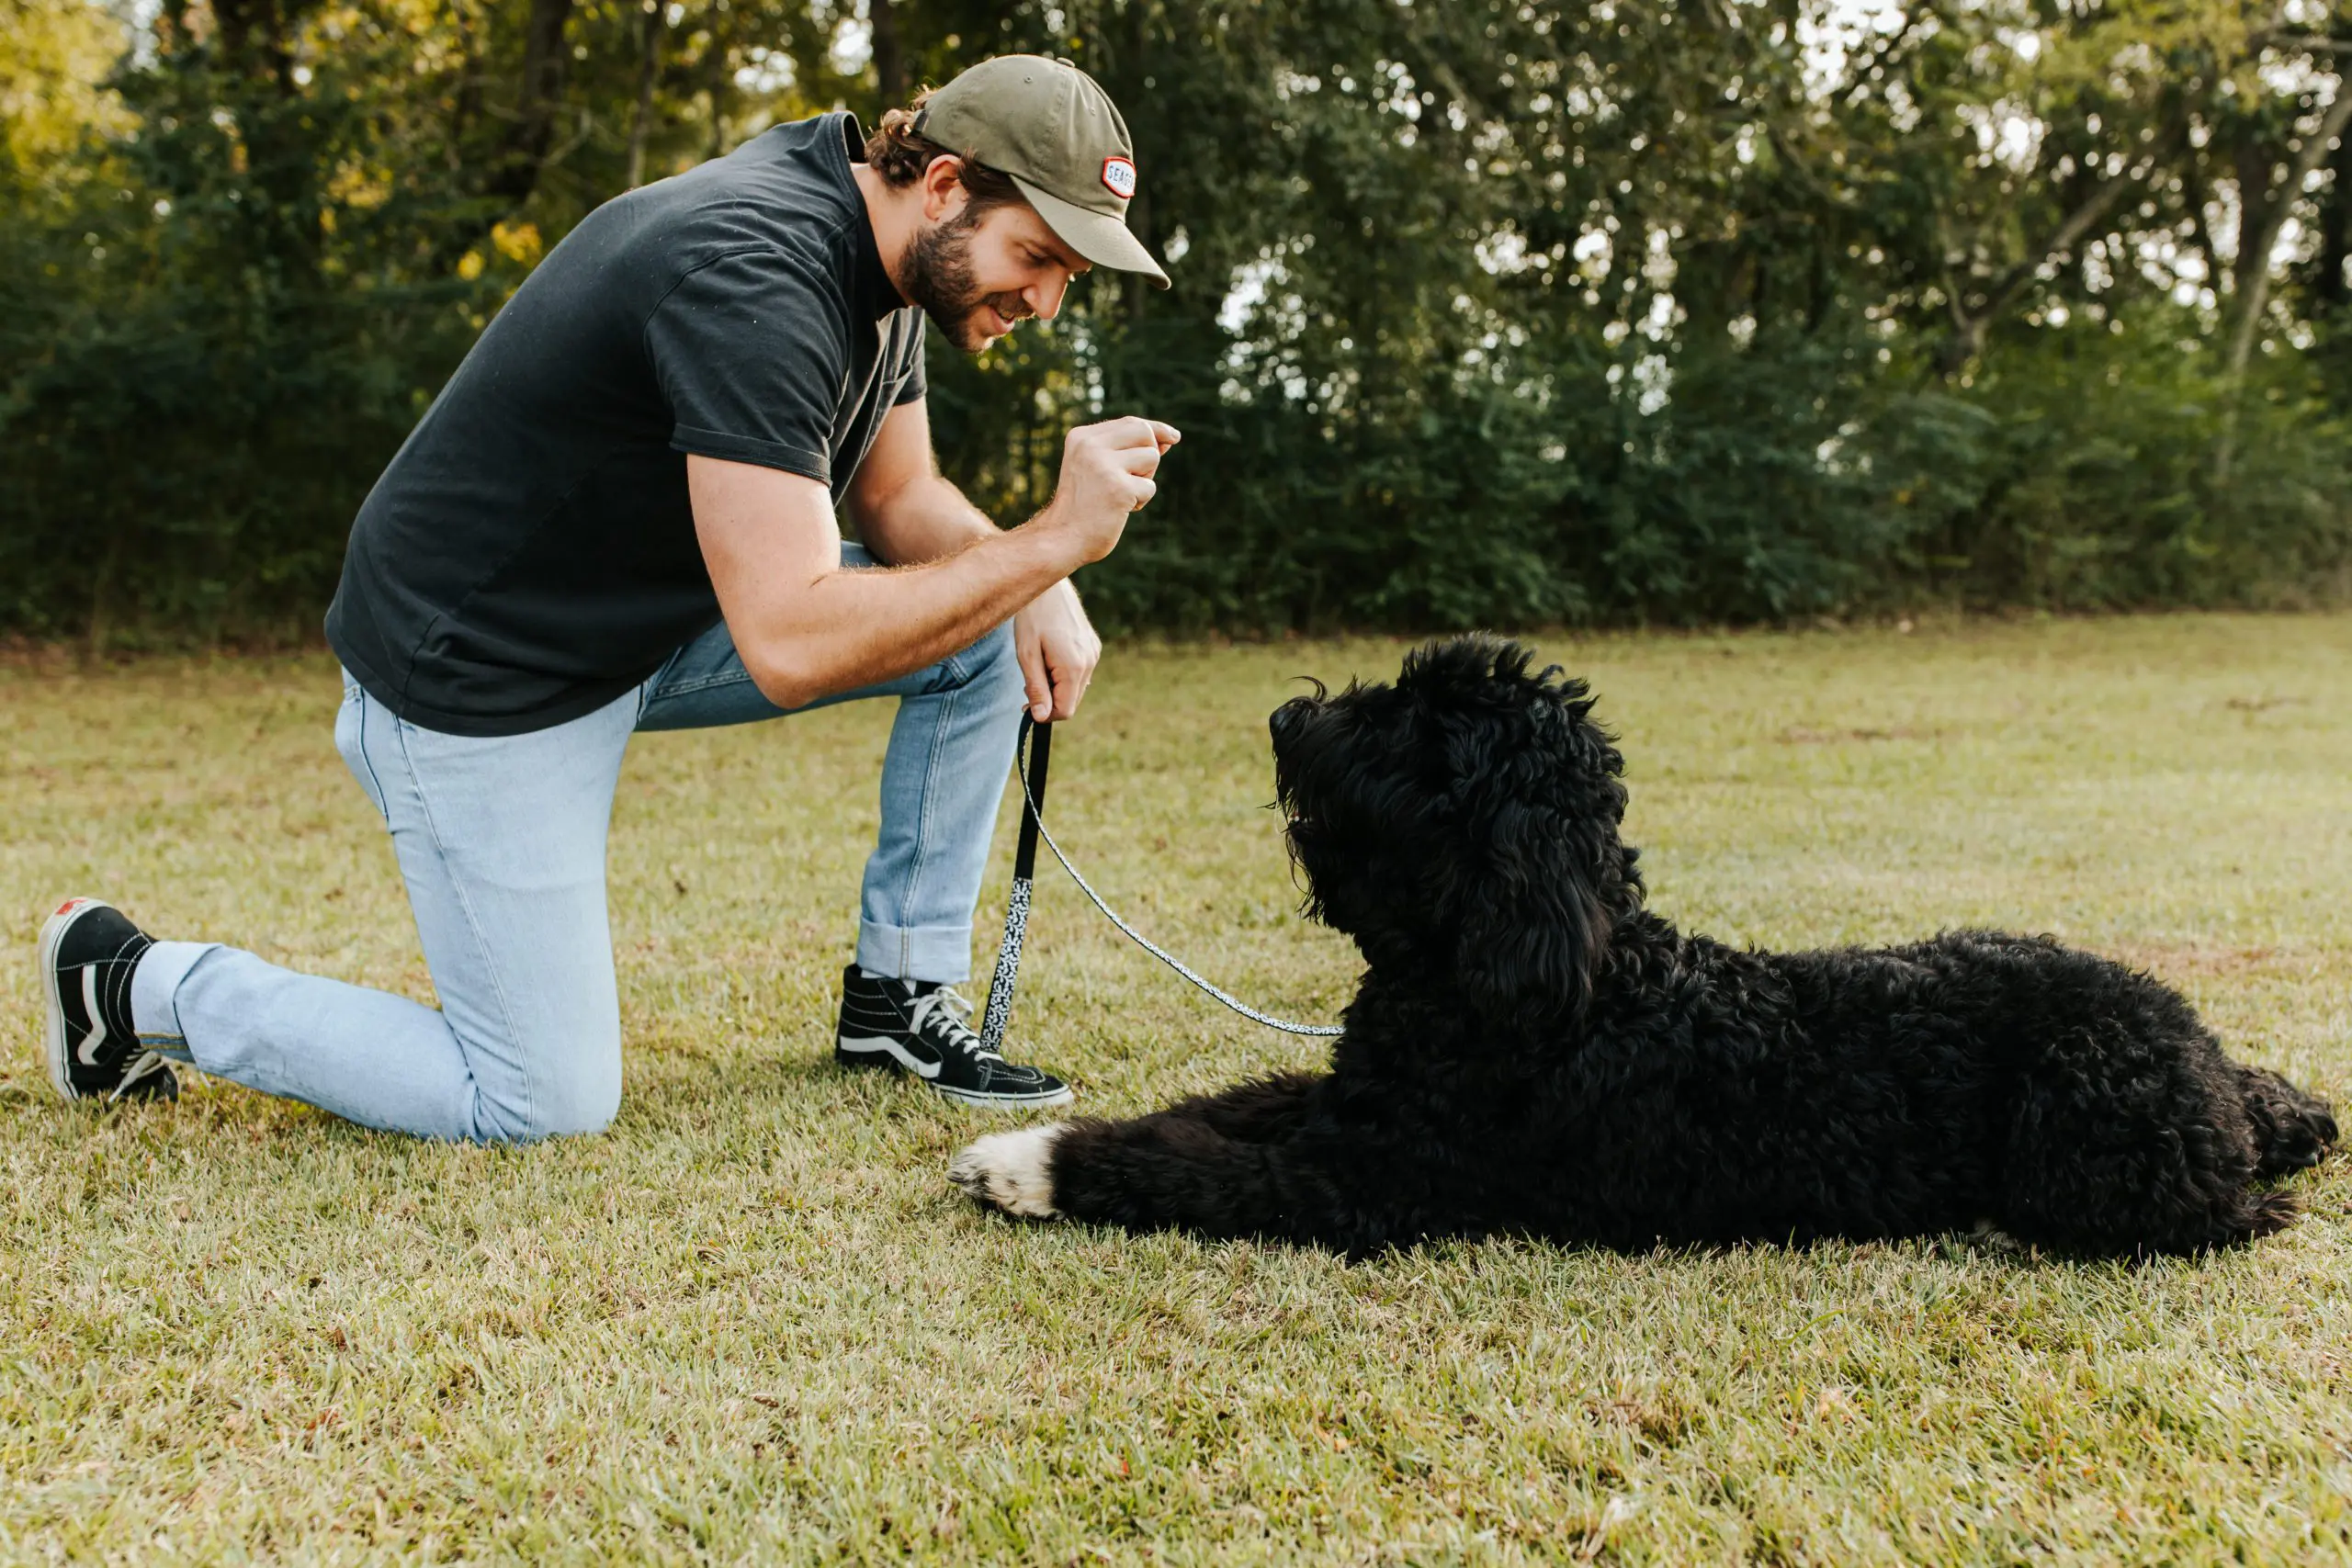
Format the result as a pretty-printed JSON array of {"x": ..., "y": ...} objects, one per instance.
[
  {"x": 53, "y": 936},
  {"x": 1005, "y": 1102},
  {"x": 850, "y": 1051}
]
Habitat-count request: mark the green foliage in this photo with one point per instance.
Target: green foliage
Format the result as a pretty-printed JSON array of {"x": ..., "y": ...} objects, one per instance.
[
  {"x": 2092, "y": 482},
  {"x": 1485, "y": 312},
  {"x": 207, "y": 357}
]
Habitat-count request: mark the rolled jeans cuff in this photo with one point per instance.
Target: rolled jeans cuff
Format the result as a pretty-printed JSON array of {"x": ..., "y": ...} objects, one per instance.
[
  {"x": 155, "y": 988},
  {"x": 942, "y": 954}
]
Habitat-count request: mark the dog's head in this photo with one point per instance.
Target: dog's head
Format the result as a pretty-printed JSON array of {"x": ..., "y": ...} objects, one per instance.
[{"x": 1462, "y": 822}]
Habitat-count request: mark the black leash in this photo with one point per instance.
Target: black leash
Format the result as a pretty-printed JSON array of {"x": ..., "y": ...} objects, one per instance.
[{"x": 1016, "y": 910}]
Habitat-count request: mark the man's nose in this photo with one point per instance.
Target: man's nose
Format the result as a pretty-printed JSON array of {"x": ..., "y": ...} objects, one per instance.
[{"x": 1046, "y": 297}]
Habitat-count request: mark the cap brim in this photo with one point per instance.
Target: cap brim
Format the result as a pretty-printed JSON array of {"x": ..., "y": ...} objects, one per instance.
[{"x": 1098, "y": 237}]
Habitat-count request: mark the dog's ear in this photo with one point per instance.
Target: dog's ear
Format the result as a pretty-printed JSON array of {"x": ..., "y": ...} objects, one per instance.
[
  {"x": 1534, "y": 925},
  {"x": 1537, "y": 802}
]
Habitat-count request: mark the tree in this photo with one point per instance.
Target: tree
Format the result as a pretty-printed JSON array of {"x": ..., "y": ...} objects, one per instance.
[{"x": 1484, "y": 310}]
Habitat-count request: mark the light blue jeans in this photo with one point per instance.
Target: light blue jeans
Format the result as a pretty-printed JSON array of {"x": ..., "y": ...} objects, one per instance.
[{"x": 502, "y": 843}]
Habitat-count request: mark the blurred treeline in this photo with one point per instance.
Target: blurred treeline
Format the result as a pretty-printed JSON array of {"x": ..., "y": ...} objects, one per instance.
[{"x": 1485, "y": 311}]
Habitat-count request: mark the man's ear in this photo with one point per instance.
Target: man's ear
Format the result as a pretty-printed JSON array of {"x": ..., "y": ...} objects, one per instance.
[{"x": 943, "y": 196}]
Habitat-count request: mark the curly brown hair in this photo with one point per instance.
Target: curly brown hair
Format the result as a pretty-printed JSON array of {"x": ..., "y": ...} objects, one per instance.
[{"x": 900, "y": 156}]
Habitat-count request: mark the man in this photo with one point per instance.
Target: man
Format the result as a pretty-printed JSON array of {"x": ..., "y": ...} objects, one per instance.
[{"x": 620, "y": 515}]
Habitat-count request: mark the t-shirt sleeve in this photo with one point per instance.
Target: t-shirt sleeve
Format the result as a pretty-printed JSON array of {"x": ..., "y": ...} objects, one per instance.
[
  {"x": 750, "y": 350},
  {"x": 915, "y": 384}
]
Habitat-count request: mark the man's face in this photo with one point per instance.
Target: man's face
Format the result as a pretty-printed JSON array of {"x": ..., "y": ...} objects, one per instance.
[{"x": 976, "y": 273}]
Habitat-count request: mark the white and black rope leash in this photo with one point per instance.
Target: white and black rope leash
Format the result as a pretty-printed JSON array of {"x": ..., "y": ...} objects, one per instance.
[
  {"x": 1030, "y": 766},
  {"x": 1024, "y": 872}
]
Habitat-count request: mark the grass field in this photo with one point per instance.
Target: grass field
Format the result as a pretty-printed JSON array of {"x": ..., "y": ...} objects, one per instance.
[{"x": 752, "y": 1323}]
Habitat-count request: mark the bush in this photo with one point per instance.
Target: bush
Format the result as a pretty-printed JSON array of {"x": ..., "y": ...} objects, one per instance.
[{"x": 1453, "y": 342}]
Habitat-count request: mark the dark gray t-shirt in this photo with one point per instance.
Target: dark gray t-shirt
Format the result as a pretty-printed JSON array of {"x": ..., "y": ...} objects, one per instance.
[{"x": 530, "y": 553}]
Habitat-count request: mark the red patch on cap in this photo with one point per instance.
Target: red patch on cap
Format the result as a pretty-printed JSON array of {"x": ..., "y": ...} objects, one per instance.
[{"x": 1120, "y": 175}]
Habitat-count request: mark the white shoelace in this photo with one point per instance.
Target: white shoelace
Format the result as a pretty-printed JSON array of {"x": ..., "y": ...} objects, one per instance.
[
  {"x": 144, "y": 1066},
  {"x": 957, "y": 1008}
]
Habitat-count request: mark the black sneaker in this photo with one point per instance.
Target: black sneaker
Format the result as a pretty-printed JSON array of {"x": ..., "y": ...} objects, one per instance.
[
  {"x": 924, "y": 1028},
  {"x": 87, "y": 951}
]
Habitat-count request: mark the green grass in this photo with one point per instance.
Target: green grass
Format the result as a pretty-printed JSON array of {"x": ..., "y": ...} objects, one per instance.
[{"x": 752, "y": 1323}]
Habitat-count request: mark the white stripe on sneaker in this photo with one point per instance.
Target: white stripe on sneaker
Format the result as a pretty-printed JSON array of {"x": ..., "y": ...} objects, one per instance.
[
  {"x": 884, "y": 1046},
  {"x": 89, "y": 1050}
]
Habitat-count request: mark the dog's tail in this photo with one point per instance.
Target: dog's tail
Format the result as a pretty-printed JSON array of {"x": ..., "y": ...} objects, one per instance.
[{"x": 2292, "y": 1129}]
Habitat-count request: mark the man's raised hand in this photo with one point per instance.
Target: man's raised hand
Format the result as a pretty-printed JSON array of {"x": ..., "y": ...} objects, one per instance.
[{"x": 1107, "y": 473}]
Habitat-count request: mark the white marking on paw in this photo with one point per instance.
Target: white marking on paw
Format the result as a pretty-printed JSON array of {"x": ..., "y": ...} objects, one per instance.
[{"x": 1008, "y": 1170}]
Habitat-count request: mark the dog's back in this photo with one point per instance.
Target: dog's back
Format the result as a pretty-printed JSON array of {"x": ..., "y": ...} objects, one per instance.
[{"x": 1713, "y": 1094}]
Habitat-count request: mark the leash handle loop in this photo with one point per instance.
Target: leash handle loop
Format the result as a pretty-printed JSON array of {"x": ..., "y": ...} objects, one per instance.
[{"x": 999, "y": 1011}]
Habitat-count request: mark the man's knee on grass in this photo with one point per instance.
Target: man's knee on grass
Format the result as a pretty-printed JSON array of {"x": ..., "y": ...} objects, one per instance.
[{"x": 570, "y": 1105}]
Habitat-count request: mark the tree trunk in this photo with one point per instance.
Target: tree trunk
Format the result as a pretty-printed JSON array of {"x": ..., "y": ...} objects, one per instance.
[
  {"x": 716, "y": 80},
  {"x": 516, "y": 171},
  {"x": 2335, "y": 231},
  {"x": 464, "y": 104},
  {"x": 2257, "y": 238},
  {"x": 889, "y": 68},
  {"x": 1139, "y": 213},
  {"x": 648, "y": 67},
  {"x": 281, "y": 144},
  {"x": 2258, "y": 227}
]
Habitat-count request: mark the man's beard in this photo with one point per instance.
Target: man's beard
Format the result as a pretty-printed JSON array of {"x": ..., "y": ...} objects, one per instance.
[{"x": 937, "y": 276}]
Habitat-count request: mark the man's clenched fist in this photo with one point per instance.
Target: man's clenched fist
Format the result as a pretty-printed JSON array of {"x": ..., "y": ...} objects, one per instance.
[{"x": 1107, "y": 473}]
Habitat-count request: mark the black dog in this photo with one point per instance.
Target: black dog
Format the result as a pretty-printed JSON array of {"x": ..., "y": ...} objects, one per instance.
[{"x": 1533, "y": 1051}]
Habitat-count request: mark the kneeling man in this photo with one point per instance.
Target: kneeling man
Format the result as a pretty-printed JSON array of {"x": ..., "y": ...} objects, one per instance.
[{"x": 620, "y": 515}]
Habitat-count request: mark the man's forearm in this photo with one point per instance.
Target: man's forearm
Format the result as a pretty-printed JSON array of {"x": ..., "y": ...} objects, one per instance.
[
  {"x": 925, "y": 520},
  {"x": 805, "y": 628},
  {"x": 850, "y": 629}
]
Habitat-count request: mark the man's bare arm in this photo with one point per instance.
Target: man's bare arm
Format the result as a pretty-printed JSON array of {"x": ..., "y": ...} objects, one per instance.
[
  {"x": 906, "y": 511},
  {"x": 805, "y": 628}
]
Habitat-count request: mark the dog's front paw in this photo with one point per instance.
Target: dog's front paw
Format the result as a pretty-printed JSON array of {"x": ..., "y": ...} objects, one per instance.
[{"x": 1008, "y": 1170}]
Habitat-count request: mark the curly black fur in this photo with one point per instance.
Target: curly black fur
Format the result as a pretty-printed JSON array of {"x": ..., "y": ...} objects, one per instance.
[{"x": 1533, "y": 1052}]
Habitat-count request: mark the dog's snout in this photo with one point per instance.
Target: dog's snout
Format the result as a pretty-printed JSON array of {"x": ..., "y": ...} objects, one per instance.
[{"x": 1290, "y": 715}]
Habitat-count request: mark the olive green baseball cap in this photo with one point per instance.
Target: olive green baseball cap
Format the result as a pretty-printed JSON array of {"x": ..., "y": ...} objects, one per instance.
[{"x": 1049, "y": 126}]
